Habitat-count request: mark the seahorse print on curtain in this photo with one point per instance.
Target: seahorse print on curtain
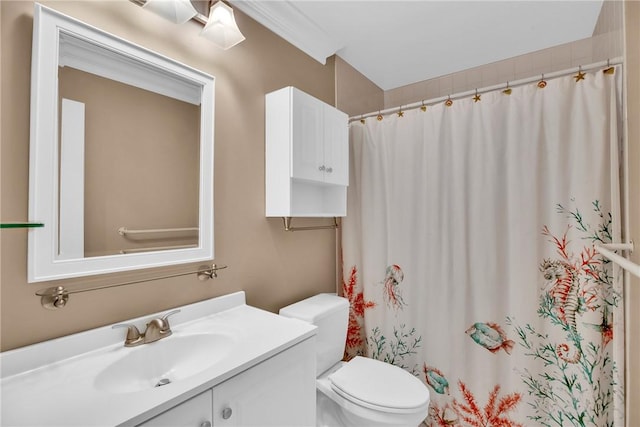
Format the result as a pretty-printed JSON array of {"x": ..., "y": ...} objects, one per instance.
[{"x": 577, "y": 301}]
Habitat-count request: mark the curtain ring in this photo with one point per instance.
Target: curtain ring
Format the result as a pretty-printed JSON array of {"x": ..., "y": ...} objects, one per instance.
[
  {"x": 379, "y": 117},
  {"x": 400, "y": 112},
  {"x": 542, "y": 83},
  {"x": 507, "y": 90},
  {"x": 448, "y": 102},
  {"x": 424, "y": 107},
  {"x": 609, "y": 69},
  {"x": 580, "y": 75}
]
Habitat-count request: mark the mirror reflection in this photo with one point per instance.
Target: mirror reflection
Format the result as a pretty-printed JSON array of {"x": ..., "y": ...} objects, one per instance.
[{"x": 139, "y": 171}]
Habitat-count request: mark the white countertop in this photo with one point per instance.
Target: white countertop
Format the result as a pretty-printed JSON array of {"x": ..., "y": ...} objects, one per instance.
[{"x": 52, "y": 383}]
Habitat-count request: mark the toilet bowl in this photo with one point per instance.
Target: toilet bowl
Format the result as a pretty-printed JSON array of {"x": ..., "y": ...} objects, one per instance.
[{"x": 362, "y": 391}]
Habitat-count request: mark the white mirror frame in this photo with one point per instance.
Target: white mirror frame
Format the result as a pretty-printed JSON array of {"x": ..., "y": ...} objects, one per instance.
[{"x": 48, "y": 26}]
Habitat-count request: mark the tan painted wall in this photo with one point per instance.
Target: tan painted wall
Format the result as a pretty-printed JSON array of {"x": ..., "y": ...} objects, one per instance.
[
  {"x": 632, "y": 292},
  {"x": 274, "y": 268},
  {"x": 356, "y": 94},
  {"x": 600, "y": 47}
]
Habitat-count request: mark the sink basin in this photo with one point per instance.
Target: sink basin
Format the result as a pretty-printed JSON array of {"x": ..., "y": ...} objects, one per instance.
[{"x": 164, "y": 362}]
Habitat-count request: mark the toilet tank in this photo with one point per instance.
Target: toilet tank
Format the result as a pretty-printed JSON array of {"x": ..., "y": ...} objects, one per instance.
[{"x": 330, "y": 313}]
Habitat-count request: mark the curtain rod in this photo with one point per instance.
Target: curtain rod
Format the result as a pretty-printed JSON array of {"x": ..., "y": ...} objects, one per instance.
[{"x": 480, "y": 91}]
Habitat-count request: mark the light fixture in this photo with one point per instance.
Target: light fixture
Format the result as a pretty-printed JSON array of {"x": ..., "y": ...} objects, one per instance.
[
  {"x": 221, "y": 27},
  {"x": 177, "y": 11}
]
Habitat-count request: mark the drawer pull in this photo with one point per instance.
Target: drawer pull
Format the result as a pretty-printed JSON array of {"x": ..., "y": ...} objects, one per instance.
[{"x": 226, "y": 413}]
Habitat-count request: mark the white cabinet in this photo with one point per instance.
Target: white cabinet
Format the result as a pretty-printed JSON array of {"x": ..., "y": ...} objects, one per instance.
[
  {"x": 280, "y": 391},
  {"x": 307, "y": 156},
  {"x": 336, "y": 147},
  {"x": 195, "y": 412},
  {"x": 319, "y": 141}
]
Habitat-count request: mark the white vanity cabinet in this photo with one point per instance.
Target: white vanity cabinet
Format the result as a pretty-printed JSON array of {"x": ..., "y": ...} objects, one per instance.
[
  {"x": 195, "y": 412},
  {"x": 227, "y": 363},
  {"x": 307, "y": 156},
  {"x": 279, "y": 391}
]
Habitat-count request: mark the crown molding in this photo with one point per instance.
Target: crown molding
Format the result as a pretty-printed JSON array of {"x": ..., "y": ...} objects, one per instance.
[{"x": 287, "y": 21}]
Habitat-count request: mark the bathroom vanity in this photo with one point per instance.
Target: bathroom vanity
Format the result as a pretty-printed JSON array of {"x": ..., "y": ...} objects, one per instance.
[{"x": 225, "y": 364}]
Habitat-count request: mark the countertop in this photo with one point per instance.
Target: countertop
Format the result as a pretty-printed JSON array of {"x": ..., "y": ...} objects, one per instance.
[{"x": 52, "y": 383}]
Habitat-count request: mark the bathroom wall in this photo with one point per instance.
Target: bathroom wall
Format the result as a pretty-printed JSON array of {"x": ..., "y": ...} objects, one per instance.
[
  {"x": 356, "y": 94},
  {"x": 274, "y": 267},
  {"x": 606, "y": 43}
]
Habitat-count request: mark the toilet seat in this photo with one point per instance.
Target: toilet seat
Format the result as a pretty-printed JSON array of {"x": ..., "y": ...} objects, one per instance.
[{"x": 380, "y": 386}]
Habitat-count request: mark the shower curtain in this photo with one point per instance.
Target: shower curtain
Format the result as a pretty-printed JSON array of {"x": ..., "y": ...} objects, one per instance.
[{"x": 468, "y": 253}]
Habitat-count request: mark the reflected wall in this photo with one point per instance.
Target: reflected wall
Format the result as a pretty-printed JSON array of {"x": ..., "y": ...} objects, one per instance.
[{"x": 141, "y": 165}]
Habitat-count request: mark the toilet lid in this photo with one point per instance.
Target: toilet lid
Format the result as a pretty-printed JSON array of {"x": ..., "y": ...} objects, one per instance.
[{"x": 379, "y": 384}]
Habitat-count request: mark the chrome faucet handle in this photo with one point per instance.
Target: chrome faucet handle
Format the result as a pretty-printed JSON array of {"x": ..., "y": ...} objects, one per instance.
[
  {"x": 133, "y": 334},
  {"x": 165, "y": 320}
]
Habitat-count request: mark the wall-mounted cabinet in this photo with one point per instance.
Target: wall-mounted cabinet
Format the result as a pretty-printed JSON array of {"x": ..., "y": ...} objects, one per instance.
[{"x": 307, "y": 156}]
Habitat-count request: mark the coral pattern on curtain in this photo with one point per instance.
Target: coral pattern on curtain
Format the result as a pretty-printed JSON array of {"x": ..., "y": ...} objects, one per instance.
[{"x": 469, "y": 259}]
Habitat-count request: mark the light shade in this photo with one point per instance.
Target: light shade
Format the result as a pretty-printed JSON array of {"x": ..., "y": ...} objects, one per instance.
[
  {"x": 178, "y": 11},
  {"x": 221, "y": 27}
]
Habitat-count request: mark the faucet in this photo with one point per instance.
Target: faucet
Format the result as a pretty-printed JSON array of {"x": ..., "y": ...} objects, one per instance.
[{"x": 156, "y": 330}]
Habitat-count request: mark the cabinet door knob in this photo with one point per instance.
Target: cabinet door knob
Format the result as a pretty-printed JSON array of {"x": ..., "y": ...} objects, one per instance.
[
  {"x": 321, "y": 168},
  {"x": 329, "y": 170},
  {"x": 206, "y": 424},
  {"x": 226, "y": 413}
]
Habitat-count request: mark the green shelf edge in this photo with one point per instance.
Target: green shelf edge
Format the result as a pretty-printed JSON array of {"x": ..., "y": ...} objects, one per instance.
[{"x": 21, "y": 225}]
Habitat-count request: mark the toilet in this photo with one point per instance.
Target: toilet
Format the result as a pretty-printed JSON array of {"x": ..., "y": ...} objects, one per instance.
[{"x": 362, "y": 391}]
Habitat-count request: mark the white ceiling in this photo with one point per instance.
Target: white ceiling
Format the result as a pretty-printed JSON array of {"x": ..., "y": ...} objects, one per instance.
[{"x": 396, "y": 42}]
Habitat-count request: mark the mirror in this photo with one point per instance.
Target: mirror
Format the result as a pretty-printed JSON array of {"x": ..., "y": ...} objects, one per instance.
[{"x": 121, "y": 160}]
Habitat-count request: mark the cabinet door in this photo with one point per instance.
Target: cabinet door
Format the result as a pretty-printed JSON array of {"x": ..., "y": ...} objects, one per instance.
[
  {"x": 280, "y": 391},
  {"x": 307, "y": 144},
  {"x": 336, "y": 146},
  {"x": 195, "y": 412}
]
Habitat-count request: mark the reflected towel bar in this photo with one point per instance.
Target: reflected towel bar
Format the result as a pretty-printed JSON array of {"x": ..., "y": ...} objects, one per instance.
[
  {"x": 156, "y": 248},
  {"x": 123, "y": 231},
  {"x": 606, "y": 250},
  {"x": 58, "y": 296}
]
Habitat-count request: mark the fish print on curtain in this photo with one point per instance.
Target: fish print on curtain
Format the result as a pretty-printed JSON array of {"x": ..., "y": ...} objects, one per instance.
[
  {"x": 518, "y": 322},
  {"x": 575, "y": 289}
]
